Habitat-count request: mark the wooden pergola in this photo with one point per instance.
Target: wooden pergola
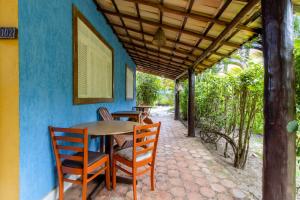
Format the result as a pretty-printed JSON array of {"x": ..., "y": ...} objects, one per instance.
[{"x": 200, "y": 33}]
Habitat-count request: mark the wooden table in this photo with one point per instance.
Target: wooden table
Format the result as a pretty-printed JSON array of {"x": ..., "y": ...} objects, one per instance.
[
  {"x": 108, "y": 129},
  {"x": 143, "y": 108},
  {"x": 130, "y": 114}
]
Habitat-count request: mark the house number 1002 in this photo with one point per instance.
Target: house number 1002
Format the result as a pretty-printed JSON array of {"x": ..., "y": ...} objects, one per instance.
[{"x": 8, "y": 33}]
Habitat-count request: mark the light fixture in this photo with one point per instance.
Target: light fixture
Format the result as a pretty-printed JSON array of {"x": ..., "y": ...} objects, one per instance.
[
  {"x": 159, "y": 38},
  {"x": 179, "y": 87}
]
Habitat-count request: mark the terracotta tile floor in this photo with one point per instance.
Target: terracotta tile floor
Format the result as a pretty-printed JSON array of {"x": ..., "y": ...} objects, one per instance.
[{"x": 184, "y": 170}]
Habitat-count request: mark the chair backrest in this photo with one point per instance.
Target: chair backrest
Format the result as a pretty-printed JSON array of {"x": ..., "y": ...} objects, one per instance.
[
  {"x": 145, "y": 138},
  {"x": 147, "y": 120},
  {"x": 105, "y": 114},
  {"x": 68, "y": 141}
]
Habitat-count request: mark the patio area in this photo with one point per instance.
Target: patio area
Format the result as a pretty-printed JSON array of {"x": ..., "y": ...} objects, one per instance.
[{"x": 185, "y": 169}]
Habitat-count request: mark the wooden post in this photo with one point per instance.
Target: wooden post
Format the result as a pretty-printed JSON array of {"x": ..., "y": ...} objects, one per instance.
[
  {"x": 279, "y": 101},
  {"x": 191, "y": 103},
  {"x": 176, "y": 114}
]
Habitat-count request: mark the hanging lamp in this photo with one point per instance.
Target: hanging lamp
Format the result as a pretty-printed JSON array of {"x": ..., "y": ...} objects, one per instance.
[{"x": 159, "y": 38}]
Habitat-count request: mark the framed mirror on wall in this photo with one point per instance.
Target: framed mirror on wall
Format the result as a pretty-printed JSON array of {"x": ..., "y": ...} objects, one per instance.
[
  {"x": 93, "y": 65},
  {"x": 129, "y": 83}
]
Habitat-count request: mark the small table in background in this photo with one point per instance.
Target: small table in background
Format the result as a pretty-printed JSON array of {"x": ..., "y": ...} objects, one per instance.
[
  {"x": 136, "y": 115},
  {"x": 144, "y": 109}
]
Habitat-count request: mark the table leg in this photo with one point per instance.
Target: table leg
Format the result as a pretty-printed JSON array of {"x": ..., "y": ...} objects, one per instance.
[
  {"x": 101, "y": 144},
  {"x": 109, "y": 148}
]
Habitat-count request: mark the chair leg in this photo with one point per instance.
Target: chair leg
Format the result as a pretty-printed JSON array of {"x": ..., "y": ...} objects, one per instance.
[
  {"x": 107, "y": 175},
  {"x": 61, "y": 187},
  {"x": 84, "y": 188},
  {"x": 134, "y": 184},
  {"x": 114, "y": 174},
  {"x": 152, "y": 177}
]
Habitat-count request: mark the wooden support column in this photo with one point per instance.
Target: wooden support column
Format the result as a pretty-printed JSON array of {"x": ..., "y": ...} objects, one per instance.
[
  {"x": 279, "y": 101},
  {"x": 191, "y": 103},
  {"x": 176, "y": 103}
]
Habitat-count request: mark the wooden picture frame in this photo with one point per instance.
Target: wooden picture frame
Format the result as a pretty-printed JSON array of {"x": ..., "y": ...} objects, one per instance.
[
  {"x": 77, "y": 97},
  {"x": 129, "y": 89}
]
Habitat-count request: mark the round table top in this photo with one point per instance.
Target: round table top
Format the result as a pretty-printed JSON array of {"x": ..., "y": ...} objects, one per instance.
[
  {"x": 112, "y": 127},
  {"x": 143, "y": 106},
  {"x": 126, "y": 112}
]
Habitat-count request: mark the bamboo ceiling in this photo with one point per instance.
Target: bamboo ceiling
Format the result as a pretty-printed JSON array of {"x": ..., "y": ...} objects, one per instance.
[{"x": 199, "y": 32}]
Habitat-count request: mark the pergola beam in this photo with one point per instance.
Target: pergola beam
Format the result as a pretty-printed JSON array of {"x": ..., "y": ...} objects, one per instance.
[
  {"x": 220, "y": 12},
  {"x": 191, "y": 15},
  {"x": 168, "y": 40},
  {"x": 137, "y": 56},
  {"x": 157, "y": 66},
  {"x": 161, "y": 58},
  {"x": 185, "y": 53},
  {"x": 133, "y": 46},
  {"x": 191, "y": 33},
  {"x": 162, "y": 72},
  {"x": 227, "y": 30},
  {"x": 156, "y": 73}
]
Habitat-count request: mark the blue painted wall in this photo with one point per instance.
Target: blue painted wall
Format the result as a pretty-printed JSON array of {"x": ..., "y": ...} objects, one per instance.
[{"x": 45, "y": 38}]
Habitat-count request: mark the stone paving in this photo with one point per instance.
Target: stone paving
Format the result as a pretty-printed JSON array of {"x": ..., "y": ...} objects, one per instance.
[{"x": 185, "y": 170}]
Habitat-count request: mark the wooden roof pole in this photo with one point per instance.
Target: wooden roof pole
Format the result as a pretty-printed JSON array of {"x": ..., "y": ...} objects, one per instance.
[
  {"x": 220, "y": 12},
  {"x": 173, "y": 61},
  {"x": 155, "y": 51},
  {"x": 190, "y": 5},
  {"x": 156, "y": 73},
  {"x": 157, "y": 66},
  {"x": 227, "y": 30},
  {"x": 122, "y": 21},
  {"x": 191, "y": 15},
  {"x": 221, "y": 37},
  {"x": 279, "y": 159},
  {"x": 156, "y": 62},
  {"x": 191, "y": 33},
  {"x": 146, "y": 67},
  {"x": 168, "y": 39},
  {"x": 141, "y": 26}
]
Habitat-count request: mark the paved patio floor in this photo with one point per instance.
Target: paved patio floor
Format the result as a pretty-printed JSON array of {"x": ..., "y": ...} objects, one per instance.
[{"x": 184, "y": 170}]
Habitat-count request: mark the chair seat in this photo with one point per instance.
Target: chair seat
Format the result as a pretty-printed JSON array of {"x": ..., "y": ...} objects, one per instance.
[
  {"x": 127, "y": 154},
  {"x": 92, "y": 158}
]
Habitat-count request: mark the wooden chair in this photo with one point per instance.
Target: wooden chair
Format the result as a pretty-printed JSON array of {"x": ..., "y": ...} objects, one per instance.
[
  {"x": 142, "y": 154},
  {"x": 121, "y": 140},
  {"x": 70, "y": 147}
]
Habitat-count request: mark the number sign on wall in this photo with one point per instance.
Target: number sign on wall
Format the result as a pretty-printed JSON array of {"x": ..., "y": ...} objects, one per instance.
[{"x": 8, "y": 33}]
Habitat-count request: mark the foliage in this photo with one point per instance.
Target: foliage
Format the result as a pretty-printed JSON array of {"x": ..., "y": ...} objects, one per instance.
[
  {"x": 152, "y": 90},
  {"x": 229, "y": 101},
  {"x": 297, "y": 76},
  {"x": 147, "y": 87},
  {"x": 166, "y": 94},
  {"x": 183, "y": 98},
  {"x": 297, "y": 73},
  {"x": 229, "y": 104}
]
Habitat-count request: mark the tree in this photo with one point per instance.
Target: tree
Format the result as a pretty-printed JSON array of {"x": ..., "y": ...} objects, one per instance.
[{"x": 148, "y": 87}]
